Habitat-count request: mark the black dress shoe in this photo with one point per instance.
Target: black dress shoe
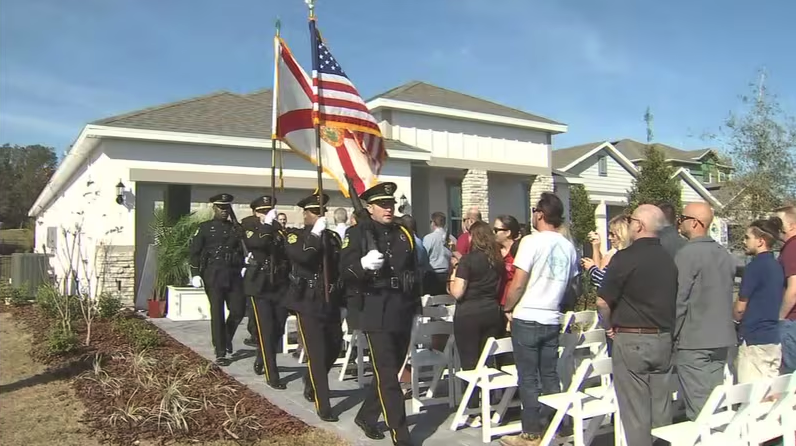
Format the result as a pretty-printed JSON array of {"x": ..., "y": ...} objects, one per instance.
[
  {"x": 229, "y": 347},
  {"x": 259, "y": 368},
  {"x": 370, "y": 430},
  {"x": 277, "y": 386},
  {"x": 250, "y": 342},
  {"x": 328, "y": 416},
  {"x": 223, "y": 361}
]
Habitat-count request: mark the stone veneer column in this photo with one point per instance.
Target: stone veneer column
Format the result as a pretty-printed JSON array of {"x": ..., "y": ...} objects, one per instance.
[
  {"x": 475, "y": 192},
  {"x": 117, "y": 263},
  {"x": 539, "y": 184}
]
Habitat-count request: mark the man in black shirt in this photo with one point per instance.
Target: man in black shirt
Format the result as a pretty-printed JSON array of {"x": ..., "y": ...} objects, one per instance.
[{"x": 637, "y": 302}]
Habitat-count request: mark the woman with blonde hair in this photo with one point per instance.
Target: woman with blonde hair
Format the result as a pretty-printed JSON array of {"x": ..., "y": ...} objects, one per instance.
[{"x": 618, "y": 237}]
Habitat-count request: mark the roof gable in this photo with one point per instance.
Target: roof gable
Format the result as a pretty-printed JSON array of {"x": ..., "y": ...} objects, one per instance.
[
  {"x": 427, "y": 94},
  {"x": 564, "y": 157},
  {"x": 221, "y": 113}
]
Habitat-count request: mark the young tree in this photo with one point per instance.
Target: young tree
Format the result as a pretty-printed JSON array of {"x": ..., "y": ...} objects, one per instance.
[
  {"x": 654, "y": 183},
  {"x": 24, "y": 171},
  {"x": 761, "y": 143},
  {"x": 581, "y": 214}
]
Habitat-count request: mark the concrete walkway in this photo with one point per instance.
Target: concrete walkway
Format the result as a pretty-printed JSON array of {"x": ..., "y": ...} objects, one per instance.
[{"x": 431, "y": 427}]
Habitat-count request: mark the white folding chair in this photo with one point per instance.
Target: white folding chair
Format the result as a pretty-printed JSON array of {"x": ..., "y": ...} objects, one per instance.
[
  {"x": 439, "y": 299},
  {"x": 585, "y": 321},
  {"x": 718, "y": 422},
  {"x": 776, "y": 415},
  {"x": 421, "y": 355},
  {"x": 487, "y": 378},
  {"x": 353, "y": 341},
  {"x": 291, "y": 326},
  {"x": 596, "y": 405},
  {"x": 566, "y": 320}
]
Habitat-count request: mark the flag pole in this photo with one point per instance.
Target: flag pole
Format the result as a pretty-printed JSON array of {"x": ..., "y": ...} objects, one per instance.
[
  {"x": 316, "y": 111},
  {"x": 274, "y": 130}
]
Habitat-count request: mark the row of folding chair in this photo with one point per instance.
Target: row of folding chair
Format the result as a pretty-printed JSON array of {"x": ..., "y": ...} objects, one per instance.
[{"x": 741, "y": 414}]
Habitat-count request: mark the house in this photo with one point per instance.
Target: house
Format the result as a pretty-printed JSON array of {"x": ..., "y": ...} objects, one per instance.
[
  {"x": 447, "y": 151},
  {"x": 608, "y": 168}
]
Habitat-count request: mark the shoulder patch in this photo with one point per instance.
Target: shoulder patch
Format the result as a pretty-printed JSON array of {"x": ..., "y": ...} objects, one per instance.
[
  {"x": 292, "y": 238},
  {"x": 249, "y": 234},
  {"x": 345, "y": 242}
]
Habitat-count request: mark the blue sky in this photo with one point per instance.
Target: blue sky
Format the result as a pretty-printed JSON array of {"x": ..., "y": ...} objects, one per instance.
[{"x": 594, "y": 65}]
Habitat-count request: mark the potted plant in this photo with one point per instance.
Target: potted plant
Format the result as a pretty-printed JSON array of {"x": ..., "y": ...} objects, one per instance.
[{"x": 172, "y": 240}]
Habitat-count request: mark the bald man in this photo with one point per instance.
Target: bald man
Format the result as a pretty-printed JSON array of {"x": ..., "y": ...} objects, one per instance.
[
  {"x": 705, "y": 329},
  {"x": 637, "y": 300}
]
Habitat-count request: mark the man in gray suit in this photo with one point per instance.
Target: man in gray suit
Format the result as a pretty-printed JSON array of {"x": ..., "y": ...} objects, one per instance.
[
  {"x": 670, "y": 238},
  {"x": 704, "y": 329}
]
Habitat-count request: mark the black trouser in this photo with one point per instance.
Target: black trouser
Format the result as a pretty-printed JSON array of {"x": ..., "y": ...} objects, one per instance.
[
  {"x": 269, "y": 316},
  {"x": 322, "y": 340},
  {"x": 384, "y": 396},
  {"x": 223, "y": 286},
  {"x": 437, "y": 283},
  {"x": 251, "y": 325},
  {"x": 471, "y": 330}
]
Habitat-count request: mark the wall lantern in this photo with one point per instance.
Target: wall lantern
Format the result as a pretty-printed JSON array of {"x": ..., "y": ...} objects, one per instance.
[
  {"x": 120, "y": 193},
  {"x": 402, "y": 202}
]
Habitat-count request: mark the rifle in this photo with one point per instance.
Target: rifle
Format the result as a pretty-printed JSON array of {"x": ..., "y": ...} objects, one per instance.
[
  {"x": 236, "y": 224},
  {"x": 363, "y": 218}
]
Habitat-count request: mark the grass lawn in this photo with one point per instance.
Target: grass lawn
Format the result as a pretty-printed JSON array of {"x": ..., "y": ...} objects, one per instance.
[{"x": 39, "y": 406}]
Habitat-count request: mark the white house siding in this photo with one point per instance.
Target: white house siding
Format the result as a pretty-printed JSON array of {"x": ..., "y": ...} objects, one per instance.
[
  {"x": 610, "y": 188},
  {"x": 106, "y": 240},
  {"x": 688, "y": 194},
  {"x": 461, "y": 139}
]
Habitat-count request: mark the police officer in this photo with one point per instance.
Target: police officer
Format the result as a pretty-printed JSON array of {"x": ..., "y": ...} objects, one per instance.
[
  {"x": 248, "y": 223},
  {"x": 216, "y": 255},
  {"x": 318, "y": 318},
  {"x": 385, "y": 275},
  {"x": 265, "y": 281}
]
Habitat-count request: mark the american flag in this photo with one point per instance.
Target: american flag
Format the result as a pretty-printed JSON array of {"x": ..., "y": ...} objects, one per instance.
[{"x": 337, "y": 103}]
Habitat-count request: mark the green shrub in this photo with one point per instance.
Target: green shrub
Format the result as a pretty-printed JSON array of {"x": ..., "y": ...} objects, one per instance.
[
  {"x": 5, "y": 291},
  {"x": 57, "y": 306},
  {"x": 138, "y": 333},
  {"x": 19, "y": 296},
  {"x": 61, "y": 341},
  {"x": 109, "y": 306}
]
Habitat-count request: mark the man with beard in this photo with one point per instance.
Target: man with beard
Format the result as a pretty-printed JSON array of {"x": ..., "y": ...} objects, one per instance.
[
  {"x": 265, "y": 282},
  {"x": 216, "y": 258},
  {"x": 385, "y": 275},
  {"x": 319, "y": 323}
]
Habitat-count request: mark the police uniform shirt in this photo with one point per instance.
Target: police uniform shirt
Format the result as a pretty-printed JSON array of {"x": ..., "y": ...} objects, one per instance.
[
  {"x": 386, "y": 304},
  {"x": 216, "y": 243},
  {"x": 304, "y": 251}
]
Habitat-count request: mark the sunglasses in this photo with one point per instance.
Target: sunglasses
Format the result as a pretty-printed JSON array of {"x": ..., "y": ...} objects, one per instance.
[
  {"x": 684, "y": 218},
  {"x": 629, "y": 219},
  {"x": 499, "y": 230}
]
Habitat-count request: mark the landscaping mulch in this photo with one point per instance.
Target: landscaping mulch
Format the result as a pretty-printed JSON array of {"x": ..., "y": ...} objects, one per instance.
[{"x": 162, "y": 394}]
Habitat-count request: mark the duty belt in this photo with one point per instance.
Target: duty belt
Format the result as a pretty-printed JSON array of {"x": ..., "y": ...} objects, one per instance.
[
  {"x": 312, "y": 283},
  {"x": 385, "y": 282}
]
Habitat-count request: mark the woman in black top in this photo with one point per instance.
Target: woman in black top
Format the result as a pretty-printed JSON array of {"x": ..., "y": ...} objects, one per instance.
[{"x": 475, "y": 283}]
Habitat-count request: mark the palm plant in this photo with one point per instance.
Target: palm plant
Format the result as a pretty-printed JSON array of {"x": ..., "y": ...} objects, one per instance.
[{"x": 172, "y": 241}]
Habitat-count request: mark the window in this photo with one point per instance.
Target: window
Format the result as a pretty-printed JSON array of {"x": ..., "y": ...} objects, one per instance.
[
  {"x": 454, "y": 207},
  {"x": 602, "y": 166},
  {"x": 52, "y": 238}
]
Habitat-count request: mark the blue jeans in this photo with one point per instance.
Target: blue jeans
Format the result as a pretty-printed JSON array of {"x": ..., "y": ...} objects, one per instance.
[
  {"x": 787, "y": 334},
  {"x": 536, "y": 355}
]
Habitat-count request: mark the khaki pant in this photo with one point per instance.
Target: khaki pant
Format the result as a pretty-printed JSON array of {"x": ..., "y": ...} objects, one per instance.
[{"x": 758, "y": 361}]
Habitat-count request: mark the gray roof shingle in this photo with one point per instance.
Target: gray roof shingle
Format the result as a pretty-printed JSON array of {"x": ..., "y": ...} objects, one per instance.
[
  {"x": 631, "y": 149},
  {"x": 425, "y": 93}
]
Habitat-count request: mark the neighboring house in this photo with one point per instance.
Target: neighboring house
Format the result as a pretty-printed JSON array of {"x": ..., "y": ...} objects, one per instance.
[
  {"x": 447, "y": 151},
  {"x": 607, "y": 170}
]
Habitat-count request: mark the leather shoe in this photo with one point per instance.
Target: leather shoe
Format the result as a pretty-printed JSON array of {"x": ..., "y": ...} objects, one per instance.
[
  {"x": 259, "y": 368},
  {"x": 250, "y": 342},
  {"x": 327, "y": 416},
  {"x": 277, "y": 386},
  {"x": 309, "y": 394},
  {"x": 370, "y": 430},
  {"x": 229, "y": 347},
  {"x": 223, "y": 361}
]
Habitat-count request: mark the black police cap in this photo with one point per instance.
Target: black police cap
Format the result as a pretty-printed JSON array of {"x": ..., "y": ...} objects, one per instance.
[
  {"x": 380, "y": 192},
  {"x": 312, "y": 202},
  {"x": 264, "y": 203},
  {"x": 222, "y": 199}
]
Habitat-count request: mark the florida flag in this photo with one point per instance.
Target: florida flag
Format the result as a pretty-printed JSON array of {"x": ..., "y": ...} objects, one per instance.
[{"x": 351, "y": 143}]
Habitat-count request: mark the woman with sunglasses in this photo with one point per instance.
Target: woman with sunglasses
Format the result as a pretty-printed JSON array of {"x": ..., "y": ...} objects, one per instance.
[
  {"x": 475, "y": 283},
  {"x": 507, "y": 234},
  {"x": 618, "y": 237}
]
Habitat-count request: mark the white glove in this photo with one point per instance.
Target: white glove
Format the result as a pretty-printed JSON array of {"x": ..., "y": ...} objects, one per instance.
[
  {"x": 372, "y": 261},
  {"x": 319, "y": 226},
  {"x": 196, "y": 282},
  {"x": 243, "y": 272},
  {"x": 248, "y": 259},
  {"x": 270, "y": 217}
]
